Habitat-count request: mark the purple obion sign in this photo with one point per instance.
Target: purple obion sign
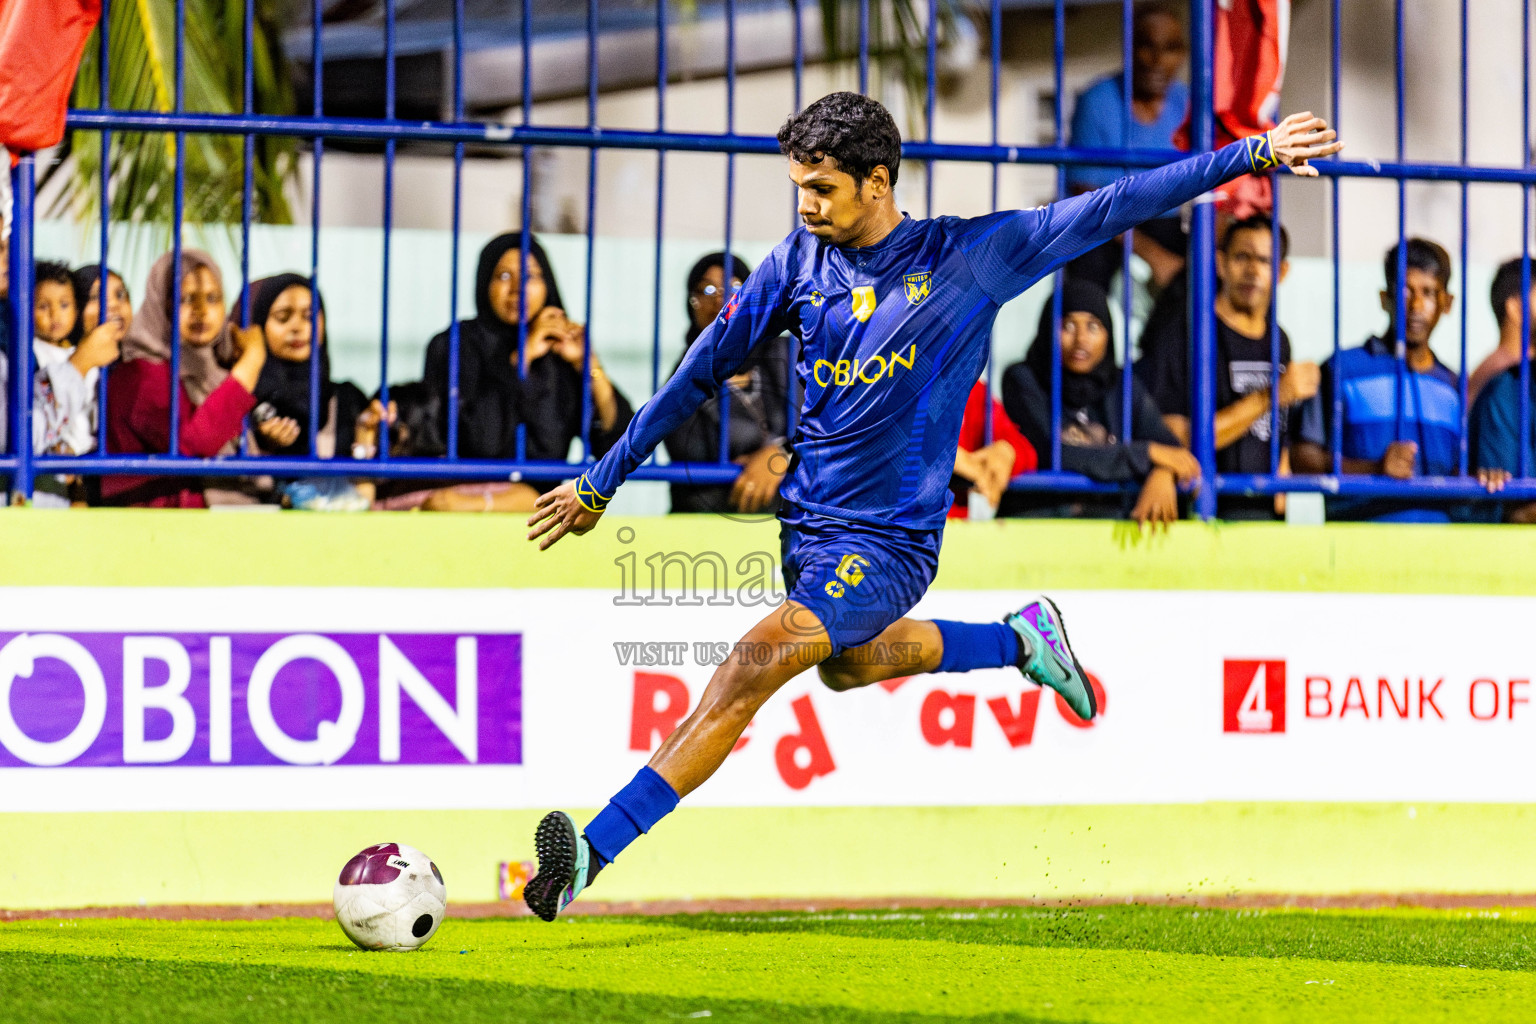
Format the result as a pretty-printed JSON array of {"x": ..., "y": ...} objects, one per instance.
[{"x": 105, "y": 699}]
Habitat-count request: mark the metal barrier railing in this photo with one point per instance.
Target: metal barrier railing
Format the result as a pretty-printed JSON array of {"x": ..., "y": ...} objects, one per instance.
[{"x": 389, "y": 130}]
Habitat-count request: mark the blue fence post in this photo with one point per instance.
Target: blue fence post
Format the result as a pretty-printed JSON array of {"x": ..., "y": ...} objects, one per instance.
[
  {"x": 23, "y": 210},
  {"x": 1202, "y": 277}
]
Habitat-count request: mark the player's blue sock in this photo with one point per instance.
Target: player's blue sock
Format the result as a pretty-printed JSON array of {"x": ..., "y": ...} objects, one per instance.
[
  {"x": 972, "y": 645},
  {"x": 634, "y": 809}
]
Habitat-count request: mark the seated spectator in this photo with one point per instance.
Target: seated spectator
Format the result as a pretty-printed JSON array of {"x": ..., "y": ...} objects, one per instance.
[
  {"x": 1159, "y": 105},
  {"x": 1245, "y": 270},
  {"x": 88, "y": 297},
  {"x": 280, "y": 306},
  {"x": 1383, "y": 435},
  {"x": 1494, "y": 441},
  {"x": 64, "y": 387},
  {"x": 987, "y": 468},
  {"x": 219, "y": 368},
  {"x": 1505, "y": 297},
  {"x": 494, "y": 401},
  {"x": 1092, "y": 427},
  {"x": 758, "y": 400}
]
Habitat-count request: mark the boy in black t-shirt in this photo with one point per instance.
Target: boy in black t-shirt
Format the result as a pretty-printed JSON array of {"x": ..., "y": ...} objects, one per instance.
[{"x": 1243, "y": 412}]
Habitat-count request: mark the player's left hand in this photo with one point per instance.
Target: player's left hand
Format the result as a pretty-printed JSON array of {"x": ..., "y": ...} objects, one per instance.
[
  {"x": 1302, "y": 137},
  {"x": 559, "y": 512}
]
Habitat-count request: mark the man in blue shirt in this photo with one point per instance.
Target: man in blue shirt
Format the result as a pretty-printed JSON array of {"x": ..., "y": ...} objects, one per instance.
[
  {"x": 1158, "y": 106},
  {"x": 1402, "y": 414},
  {"x": 1494, "y": 439},
  {"x": 894, "y": 317}
]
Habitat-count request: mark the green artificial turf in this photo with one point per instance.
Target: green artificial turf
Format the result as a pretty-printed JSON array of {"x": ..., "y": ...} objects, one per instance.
[{"x": 1016, "y": 964}]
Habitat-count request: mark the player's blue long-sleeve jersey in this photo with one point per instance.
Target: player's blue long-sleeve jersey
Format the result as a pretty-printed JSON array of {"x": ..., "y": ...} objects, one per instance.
[{"x": 893, "y": 336}]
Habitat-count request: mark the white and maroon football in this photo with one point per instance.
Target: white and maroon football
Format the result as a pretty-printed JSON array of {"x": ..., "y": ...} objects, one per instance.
[{"x": 390, "y": 896}]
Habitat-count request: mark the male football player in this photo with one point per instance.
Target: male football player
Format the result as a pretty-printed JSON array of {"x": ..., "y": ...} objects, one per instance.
[{"x": 894, "y": 317}]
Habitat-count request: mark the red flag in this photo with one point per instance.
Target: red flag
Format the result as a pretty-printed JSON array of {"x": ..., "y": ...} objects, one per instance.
[
  {"x": 40, "y": 46},
  {"x": 1251, "y": 41}
]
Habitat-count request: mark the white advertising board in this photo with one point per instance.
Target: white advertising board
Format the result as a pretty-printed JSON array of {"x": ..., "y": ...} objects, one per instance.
[{"x": 306, "y": 698}]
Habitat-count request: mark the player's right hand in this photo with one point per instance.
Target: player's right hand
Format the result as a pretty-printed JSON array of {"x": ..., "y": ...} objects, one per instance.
[
  {"x": 559, "y": 512},
  {"x": 1302, "y": 137}
]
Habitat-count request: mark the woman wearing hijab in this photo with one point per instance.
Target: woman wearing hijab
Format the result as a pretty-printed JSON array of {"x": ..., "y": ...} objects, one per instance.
[
  {"x": 219, "y": 369},
  {"x": 280, "y": 306},
  {"x": 1092, "y": 423},
  {"x": 757, "y": 398},
  {"x": 494, "y": 401}
]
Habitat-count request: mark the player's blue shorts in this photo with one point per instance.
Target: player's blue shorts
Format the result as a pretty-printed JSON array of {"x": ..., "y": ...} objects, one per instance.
[{"x": 856, "y": 578}]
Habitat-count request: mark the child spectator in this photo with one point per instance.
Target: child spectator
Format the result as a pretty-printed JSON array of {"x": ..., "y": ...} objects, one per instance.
[
  {"x": 758, "y": 402},
  {"x": 1402, "y": 415},
  {"x": 546, "y": 400},
  {"x": 1092, "y": 427},
  {"x": 1504, "y": 296},
  {"x": 64, "y": 387},
  {"x": 987, "y": 468},
  {"x": 88, "y": 297},
  {"x": 219, "y": 369},
  {"x": 1245, "y": 268}
]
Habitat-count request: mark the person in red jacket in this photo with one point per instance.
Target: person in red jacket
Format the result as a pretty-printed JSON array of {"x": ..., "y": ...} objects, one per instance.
[
  {"x": 987, "y": 468},
  {"x": 219, "y": 368}
]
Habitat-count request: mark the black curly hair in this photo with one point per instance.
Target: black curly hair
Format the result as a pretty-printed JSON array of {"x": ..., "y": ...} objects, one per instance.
[{"x": 856, "y": 131}]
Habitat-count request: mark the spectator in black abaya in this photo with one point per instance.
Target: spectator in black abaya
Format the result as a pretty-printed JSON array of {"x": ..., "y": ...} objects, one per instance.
[
  {"x": 1093, "y": 431},
  {"x": 547, "y": 400},
  {"x": 281, "y": 307},
  {"x": 758, "y": 415}
]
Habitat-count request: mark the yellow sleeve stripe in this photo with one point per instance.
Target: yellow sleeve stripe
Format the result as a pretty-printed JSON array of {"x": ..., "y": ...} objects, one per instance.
[
  {"x": 588, "y": 496},
  {"x": 1261, "y": 153}
]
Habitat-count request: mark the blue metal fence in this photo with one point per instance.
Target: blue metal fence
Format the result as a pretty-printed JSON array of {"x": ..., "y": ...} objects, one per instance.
[{"x": 459, "y": 131}]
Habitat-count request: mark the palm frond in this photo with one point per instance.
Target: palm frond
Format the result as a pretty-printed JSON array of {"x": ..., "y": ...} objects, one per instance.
[
  {"x": 898, "y": 31},
  {"x": 141, "y": 64}
]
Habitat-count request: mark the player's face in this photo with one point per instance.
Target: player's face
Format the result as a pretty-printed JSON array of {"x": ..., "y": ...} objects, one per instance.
[
  {"x": 53, "y": 311},
  {"x": 1084, "y": 342},
  {"x": 1158, "y": 54},
  {"x": 1426, "y": 301},
  {"x": 288, "y": 326},
  {"x": 119, "y": 306},
  {"x": 708, "y": 296},
  {"x": 202, "y": 307},
  {"x": 505, "y": 287},
  {"x": 1247, "y": 273},
  {"x": 831, "y": 204}
]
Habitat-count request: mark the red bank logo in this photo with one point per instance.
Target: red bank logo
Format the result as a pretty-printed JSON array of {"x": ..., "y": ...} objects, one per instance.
[{"x": 1255, "y": 696}]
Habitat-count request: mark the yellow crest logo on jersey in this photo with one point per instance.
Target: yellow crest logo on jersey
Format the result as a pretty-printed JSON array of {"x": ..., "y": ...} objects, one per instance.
[
  {"x": 863, "y": 299},
  {"x": 918, "y": 286}
]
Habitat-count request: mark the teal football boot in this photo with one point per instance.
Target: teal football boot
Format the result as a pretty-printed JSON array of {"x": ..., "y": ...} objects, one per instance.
[
  {"x": 1046, "y": 658},
  {"x": 565, "y": 862}
]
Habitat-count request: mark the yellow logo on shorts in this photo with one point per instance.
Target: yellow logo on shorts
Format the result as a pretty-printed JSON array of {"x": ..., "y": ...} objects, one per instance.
[
  {"x": 851, "y": 571},
  {"x": 863, "y": 303},
  {"x": 918, "y": 286}
]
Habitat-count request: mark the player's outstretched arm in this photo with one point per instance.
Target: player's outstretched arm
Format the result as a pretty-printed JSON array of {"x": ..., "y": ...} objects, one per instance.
[
  {"x": 1011, "y": 251},
  {"x": 559, "y": 512},
  {"x": 752, "y": 314}
]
